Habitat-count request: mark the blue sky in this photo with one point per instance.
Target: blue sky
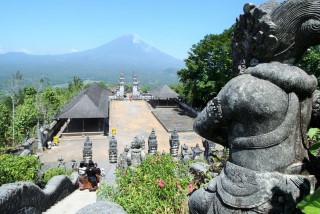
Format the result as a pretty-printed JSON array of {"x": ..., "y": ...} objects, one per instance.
[{"x": 65, "y": 26}]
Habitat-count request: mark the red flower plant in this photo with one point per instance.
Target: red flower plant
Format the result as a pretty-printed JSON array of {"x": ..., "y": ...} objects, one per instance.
[
  {"x": 161, "y": 183},
  {"x": 190, "y": 187}
]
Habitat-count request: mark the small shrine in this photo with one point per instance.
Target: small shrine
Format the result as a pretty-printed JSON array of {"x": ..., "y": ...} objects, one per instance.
[
  {"x": 113, "y": 150},
  {"x": 174, "y": 144},
  {"x": 152, "y": 143},
  {"x": 196, "y": 152},
  {"x": 87, "y": 150}
]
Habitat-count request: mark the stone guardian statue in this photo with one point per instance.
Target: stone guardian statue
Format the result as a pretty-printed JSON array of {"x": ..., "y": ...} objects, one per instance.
[{"x": 263, "y": 114}]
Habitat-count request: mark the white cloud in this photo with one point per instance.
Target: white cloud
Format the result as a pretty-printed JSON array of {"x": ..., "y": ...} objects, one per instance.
[
  {"x": 73, "y": 50},
  {"x": 136, "y": 39},
  {"x": 24, "y": 50}
]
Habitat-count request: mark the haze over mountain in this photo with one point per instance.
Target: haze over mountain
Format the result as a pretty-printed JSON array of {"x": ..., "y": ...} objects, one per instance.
[{"x": 125, "y": 54}]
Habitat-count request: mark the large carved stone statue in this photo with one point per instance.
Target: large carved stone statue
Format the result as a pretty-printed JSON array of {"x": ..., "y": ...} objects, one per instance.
[
  {"x": 135, "y": 154},
  {"x": 263, "y": 114}
]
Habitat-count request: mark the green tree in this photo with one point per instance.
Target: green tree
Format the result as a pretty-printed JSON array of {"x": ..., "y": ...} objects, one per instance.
[
  {"x": 19, "y": 168},
  {"x": 208, "y": 68},
  {"x": 145, "y": 88},
  {"x": 76, "y": 85},
  {"x": 26, "y": 113},
  {"x": 4, "y": 123},
  {"x": 13, "y": 87},
  {"x": 310, "y": 62},
  {"x": 177, "y": 87}
]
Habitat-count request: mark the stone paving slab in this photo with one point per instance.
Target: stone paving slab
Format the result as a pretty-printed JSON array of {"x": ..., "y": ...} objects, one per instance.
[
  {"x": 174, "y": 118},
  {"x": 73, "y": 202}
]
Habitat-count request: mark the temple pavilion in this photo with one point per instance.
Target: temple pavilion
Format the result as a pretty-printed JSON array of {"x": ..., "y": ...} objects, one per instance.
[{"x": 88, "y": 111}]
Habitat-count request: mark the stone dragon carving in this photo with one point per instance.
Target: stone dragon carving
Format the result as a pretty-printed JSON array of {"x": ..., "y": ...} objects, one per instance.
[
  {"x": 263, "y": 114},
  {"x": 27, "y": 197}
]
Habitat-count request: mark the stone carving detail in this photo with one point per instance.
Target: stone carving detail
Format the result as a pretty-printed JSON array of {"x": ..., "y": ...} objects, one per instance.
[
  {"x": 27, "y": 197},
  {"x": 122, "y": 161},
  {"x": 197, "y": 153},
  {"x": 263, "y": 114},
  {"x": 185, "y": 155},
  {"x": 135, "y": 154},
  {"x": 113, "y": 150},
  {"x": 87, "y": 150},
  {"x": 152, "y": 143},
  {"x": 174, "y": 144},
  {"x": 209, "y": 150},
  {"x": 275, "y": 32}
]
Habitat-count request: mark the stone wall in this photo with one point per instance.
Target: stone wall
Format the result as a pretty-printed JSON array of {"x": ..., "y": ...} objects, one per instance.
[
  {"x": 189, "y": 109},
  {"x": 26, "y": 197}
]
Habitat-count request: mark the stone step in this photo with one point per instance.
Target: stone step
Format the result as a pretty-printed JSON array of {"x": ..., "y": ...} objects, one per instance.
[{"x": 73, "y": 202}]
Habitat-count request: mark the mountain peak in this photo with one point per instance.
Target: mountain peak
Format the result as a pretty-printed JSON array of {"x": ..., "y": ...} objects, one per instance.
[{"x": 129, "y": 38}]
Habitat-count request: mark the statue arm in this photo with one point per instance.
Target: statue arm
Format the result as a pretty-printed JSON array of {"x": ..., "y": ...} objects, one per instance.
[{"x": 209, "y": 125}]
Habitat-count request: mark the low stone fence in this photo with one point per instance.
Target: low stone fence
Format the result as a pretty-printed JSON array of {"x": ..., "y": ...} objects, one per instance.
[
  {"x": 26, "y": 197},
  {"x": 188, "y": 109}
]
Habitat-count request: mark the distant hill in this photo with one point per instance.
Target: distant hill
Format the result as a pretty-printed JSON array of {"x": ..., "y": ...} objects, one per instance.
[{"x": 125, "y": 54}]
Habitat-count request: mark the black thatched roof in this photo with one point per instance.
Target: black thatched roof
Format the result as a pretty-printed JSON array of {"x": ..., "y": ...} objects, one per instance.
[
  {"x": 163, "y": 92},
  {"x": 91, "y": 102}
]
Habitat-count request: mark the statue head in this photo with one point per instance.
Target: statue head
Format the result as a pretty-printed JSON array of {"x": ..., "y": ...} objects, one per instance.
[{"x": 275, "y": 32}]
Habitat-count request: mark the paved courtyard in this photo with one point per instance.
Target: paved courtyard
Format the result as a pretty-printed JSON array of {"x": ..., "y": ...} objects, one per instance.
[
  {"x": 174, "y": 118},
  {"x": 130, "y": 118}
]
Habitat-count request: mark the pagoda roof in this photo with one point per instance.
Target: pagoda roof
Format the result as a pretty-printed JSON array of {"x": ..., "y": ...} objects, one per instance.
[
  {"x": 163, "y": 92},
  {"x": 91, "y": 102}
]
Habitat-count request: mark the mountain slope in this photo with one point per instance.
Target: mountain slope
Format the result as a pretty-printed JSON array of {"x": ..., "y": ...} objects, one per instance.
[{"x": 105, "y": 63}]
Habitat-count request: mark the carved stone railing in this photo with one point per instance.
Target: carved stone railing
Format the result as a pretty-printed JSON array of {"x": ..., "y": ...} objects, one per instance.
[{"x": 27, "y": 197}]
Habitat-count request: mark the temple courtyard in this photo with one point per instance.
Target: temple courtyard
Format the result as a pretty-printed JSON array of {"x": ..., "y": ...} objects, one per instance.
[{"x": 130, "y": 119}]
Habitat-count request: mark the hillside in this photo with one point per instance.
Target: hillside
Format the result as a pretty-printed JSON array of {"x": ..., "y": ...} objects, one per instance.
[{"x": 125, "y": 54}]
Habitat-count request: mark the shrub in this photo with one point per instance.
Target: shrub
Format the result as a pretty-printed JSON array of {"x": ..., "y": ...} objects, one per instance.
[
  {"x": 158, "y": 185},
  {"x": 55, "y": 171},
  {"x": 19, "y": 168}
]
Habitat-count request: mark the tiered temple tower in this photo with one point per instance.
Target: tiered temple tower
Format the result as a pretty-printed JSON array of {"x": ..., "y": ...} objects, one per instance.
[
  {"x": 120, "y": 92},
  {"x": 135, "y": 87}
]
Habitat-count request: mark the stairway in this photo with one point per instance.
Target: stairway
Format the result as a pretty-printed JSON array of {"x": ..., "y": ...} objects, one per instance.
[{"x": 73, "y": 202}]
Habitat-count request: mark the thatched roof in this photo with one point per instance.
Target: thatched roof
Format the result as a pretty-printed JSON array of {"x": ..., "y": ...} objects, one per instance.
[
  {"x": 163, "y": 92},
  {"x": 91, "y": 102}
]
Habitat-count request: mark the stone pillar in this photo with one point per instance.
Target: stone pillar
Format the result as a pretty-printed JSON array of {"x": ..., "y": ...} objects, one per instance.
[
  {"x": 87, "y": 150},
  {"x": 113, "y": 150},
  {"x": 174, "y": 144},
  {"x": 152, "y": 143}
]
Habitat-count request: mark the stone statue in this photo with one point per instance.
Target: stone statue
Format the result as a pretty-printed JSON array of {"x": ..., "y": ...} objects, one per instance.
[
  {"x": 122, "y": 162},
  {"x": 152, "y": 143},
  {"x": 87, "y": 150},
  {"x": 197, "y": 153},
  {"x": 209, "y": 150},
  {"x": 113, "y": 150},
  {"x": 135, "y": 154},
  {"x": 263, "y": 114},
  {"x": 174, "y": 144},
  {"x": 185, "y": 154}
]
